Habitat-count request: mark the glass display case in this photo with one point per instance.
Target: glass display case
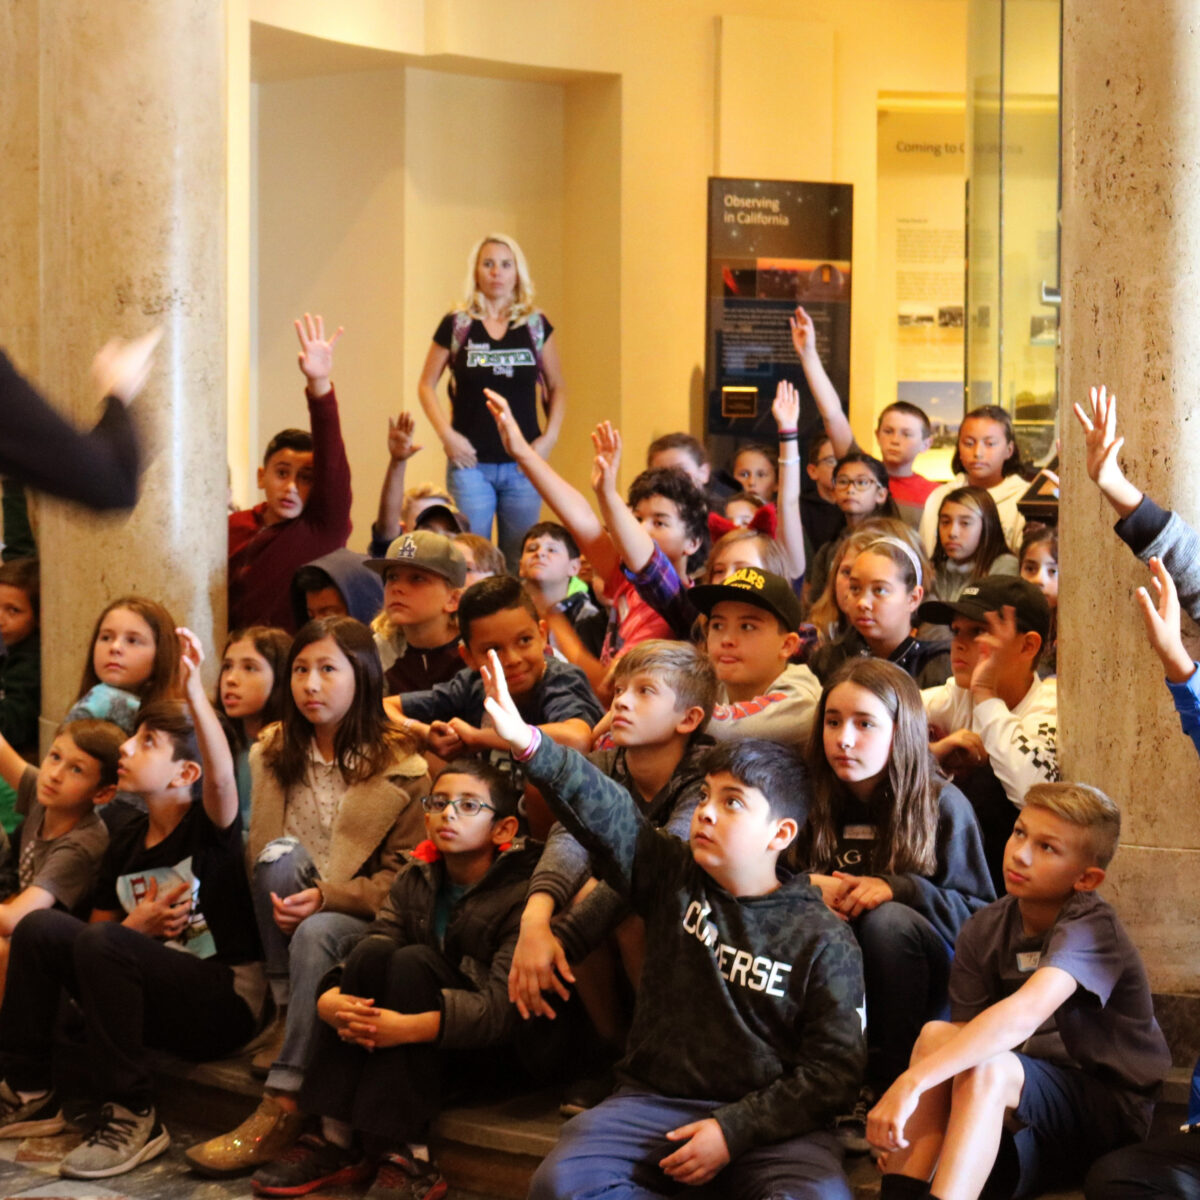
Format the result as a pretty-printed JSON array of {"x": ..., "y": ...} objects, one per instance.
[{"x": 1013, "y": 203}]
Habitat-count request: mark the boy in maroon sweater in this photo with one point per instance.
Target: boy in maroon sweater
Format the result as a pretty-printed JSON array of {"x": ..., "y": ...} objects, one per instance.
[{"x": 306, "y": 513}]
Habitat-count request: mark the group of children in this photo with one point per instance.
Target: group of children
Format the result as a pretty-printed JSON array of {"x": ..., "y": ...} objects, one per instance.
[{"x": 716, "y": 815}]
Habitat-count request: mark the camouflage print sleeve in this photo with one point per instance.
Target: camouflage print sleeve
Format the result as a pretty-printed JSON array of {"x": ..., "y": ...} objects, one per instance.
[
  {"x": 829, "y": 1058},
  {"x": 597, "y": 810}
]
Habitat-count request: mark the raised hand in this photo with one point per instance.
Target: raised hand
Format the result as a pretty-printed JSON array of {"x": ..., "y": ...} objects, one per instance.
[
  {"x": 121, "y": 368},
  {"x": 1103, "y": 446},
  {"x": 316, "y": 353},
  {"x": 786, "y": 407},
  {"x": 508, "y": 722},
  {"x": 190, "y": 657},
  {"x": 1160, "y": 614},
  {"x": 511, "y": 436},
  {"x": 804, "y": 333},
  {"x": 402, "y": 443},
  {"x": 606, "y": 441}
]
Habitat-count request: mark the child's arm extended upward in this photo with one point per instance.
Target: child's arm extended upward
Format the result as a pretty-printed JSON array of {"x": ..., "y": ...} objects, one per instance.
[{"x": 595, "y": 808}]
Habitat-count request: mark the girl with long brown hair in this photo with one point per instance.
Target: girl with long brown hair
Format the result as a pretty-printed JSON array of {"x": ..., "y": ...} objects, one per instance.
[{"x": 894, "y": 850}]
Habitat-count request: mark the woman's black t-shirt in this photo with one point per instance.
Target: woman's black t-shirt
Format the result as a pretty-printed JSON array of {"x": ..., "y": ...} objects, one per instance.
[
  {"x": 507, "y": 365},
  {"x": 218, "y": 864}
]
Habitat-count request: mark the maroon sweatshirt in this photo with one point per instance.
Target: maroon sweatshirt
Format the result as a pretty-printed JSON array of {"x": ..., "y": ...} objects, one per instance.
[{"x": 263, "y": 558}]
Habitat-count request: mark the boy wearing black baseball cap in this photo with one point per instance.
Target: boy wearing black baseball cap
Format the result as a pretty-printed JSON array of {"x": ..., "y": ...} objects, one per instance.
[
  {"x": 995, "y": 723},
  {"x": 751, "y": 635}
]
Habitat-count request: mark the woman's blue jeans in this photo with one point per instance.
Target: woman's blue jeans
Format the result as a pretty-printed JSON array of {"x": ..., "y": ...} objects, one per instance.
[{"x": 500, "y": 492}]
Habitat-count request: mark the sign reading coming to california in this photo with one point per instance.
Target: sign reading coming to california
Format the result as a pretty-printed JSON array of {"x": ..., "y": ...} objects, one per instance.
[{"x": 773, "y": 245}]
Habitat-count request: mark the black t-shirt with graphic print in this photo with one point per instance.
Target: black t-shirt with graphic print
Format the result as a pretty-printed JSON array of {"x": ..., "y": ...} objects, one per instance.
[{"x": 507, "y": 365}]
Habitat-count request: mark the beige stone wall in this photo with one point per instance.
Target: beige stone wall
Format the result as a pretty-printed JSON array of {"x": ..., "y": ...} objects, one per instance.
[{"x": 1131, "y": 261}]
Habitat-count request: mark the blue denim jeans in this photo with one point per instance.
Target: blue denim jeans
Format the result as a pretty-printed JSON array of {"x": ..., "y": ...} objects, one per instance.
[
  {"x": 497, "y": 491},
  {"x": 611, "y": 1152},
  {"x": 296, "y": 965}
]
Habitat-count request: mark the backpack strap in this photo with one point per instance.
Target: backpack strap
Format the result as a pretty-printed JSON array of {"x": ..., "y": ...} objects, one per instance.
[{"x": 458, "y": 333}]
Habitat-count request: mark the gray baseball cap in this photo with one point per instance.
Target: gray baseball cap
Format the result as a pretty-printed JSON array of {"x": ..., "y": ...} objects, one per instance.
[{"x": 425, "y": 549}]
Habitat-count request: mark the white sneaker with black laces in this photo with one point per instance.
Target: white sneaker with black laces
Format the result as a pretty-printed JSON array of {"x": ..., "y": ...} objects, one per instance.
[
  {"x": 39, "y": 1117},
  {"x": 121, "y": 1141}
]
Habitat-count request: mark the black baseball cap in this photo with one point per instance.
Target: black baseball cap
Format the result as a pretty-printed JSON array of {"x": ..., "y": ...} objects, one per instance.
[
  {"x": 447, "y": 512},
  {"x": 749, "y": 585},
  {"x": 991, "y": 594}
]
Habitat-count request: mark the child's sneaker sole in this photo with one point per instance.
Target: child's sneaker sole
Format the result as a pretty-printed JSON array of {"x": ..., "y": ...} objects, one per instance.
[
  {"x": 354, "y": 1173},
  {"x": 43, "y": 1127},
  {"x": 152, "y": 1149}
]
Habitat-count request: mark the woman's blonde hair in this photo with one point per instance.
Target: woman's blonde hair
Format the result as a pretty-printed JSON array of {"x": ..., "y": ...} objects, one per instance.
[{"x": 522, "y": 307}]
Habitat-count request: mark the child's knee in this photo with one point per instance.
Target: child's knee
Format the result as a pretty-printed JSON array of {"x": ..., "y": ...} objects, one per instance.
[
  {"x": 995, "y": 1081},
  {"x": 284, "y": 867},
  {"x": 933, "y": 1035}
]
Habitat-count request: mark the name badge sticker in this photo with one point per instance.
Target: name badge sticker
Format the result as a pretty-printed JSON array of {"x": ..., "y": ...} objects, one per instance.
[
  {"x": 1029, "y": 960},
  {"x": 858, "y": 833}
]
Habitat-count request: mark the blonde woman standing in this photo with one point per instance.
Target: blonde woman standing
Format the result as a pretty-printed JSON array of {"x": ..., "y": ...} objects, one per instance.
[{"x": 495, "y": 338}]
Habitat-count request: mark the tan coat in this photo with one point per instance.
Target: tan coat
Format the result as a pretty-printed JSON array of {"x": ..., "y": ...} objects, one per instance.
[{"x": 376, "y": 820}]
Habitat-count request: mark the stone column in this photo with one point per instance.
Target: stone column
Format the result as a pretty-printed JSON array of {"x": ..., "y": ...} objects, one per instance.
[
  {"x": 132, "y": 227},
  {"x": 1130, "y": 275}
]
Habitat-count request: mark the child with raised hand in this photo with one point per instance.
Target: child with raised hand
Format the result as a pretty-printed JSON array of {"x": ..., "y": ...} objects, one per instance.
[
  {"x": 250, "y": 695},
  {"x": 419, "y": 1009},
  {"x": 61, "y": 840},
  {"x": 133, "y": 660},
  {"x": 663, "y": 696},
  {"x": 169, "y": 959},
  {"x": 671, "y": 506},
  {"x": 402, "y": 445},
  {"x": 305, "y": 478},
  {"x": 884, "y": 591},
  {"x": 746, "y": 1034},
  {"x": 987, "y": 456},
  {"x": 1052, "y": 1055},
  {"x": 903, "y": 431},
  {"x": 336, "y": 801},
  {"x": 895, "y": 851},
  {"x": 970, "y": 543}
]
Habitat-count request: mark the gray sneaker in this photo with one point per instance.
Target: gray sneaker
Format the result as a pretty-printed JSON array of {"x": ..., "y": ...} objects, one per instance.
[
  {"x": 121, "y": 1141},
  {"x": 40, "y": 1117}
]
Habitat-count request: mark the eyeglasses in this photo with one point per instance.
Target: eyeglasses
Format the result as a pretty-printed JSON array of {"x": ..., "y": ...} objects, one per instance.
[
  {"x": 830, "y": 460},
  {"x": 846, "y": 483},
  {"x": 464, "y": 806}
]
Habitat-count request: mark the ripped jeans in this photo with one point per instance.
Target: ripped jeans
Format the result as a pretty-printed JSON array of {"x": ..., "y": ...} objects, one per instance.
[{"x": 296, "y": 964}]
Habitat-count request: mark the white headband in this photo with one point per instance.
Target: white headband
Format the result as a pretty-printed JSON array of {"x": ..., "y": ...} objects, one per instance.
[{"x": 888, "y": 539}]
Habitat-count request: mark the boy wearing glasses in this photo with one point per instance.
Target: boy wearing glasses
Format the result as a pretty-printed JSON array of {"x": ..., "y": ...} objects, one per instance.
[{"x": 428, "y": 980}]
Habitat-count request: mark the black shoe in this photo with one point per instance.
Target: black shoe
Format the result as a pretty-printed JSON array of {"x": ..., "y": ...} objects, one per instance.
[
  {"x": 851, "y": 1128},
  {"x": 310, "y": 1164},
  {"x": 398, "y": 1177}
]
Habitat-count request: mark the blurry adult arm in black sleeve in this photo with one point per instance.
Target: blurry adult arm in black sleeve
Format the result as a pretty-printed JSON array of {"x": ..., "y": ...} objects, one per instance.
[{"x": 43, "y": 450}]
